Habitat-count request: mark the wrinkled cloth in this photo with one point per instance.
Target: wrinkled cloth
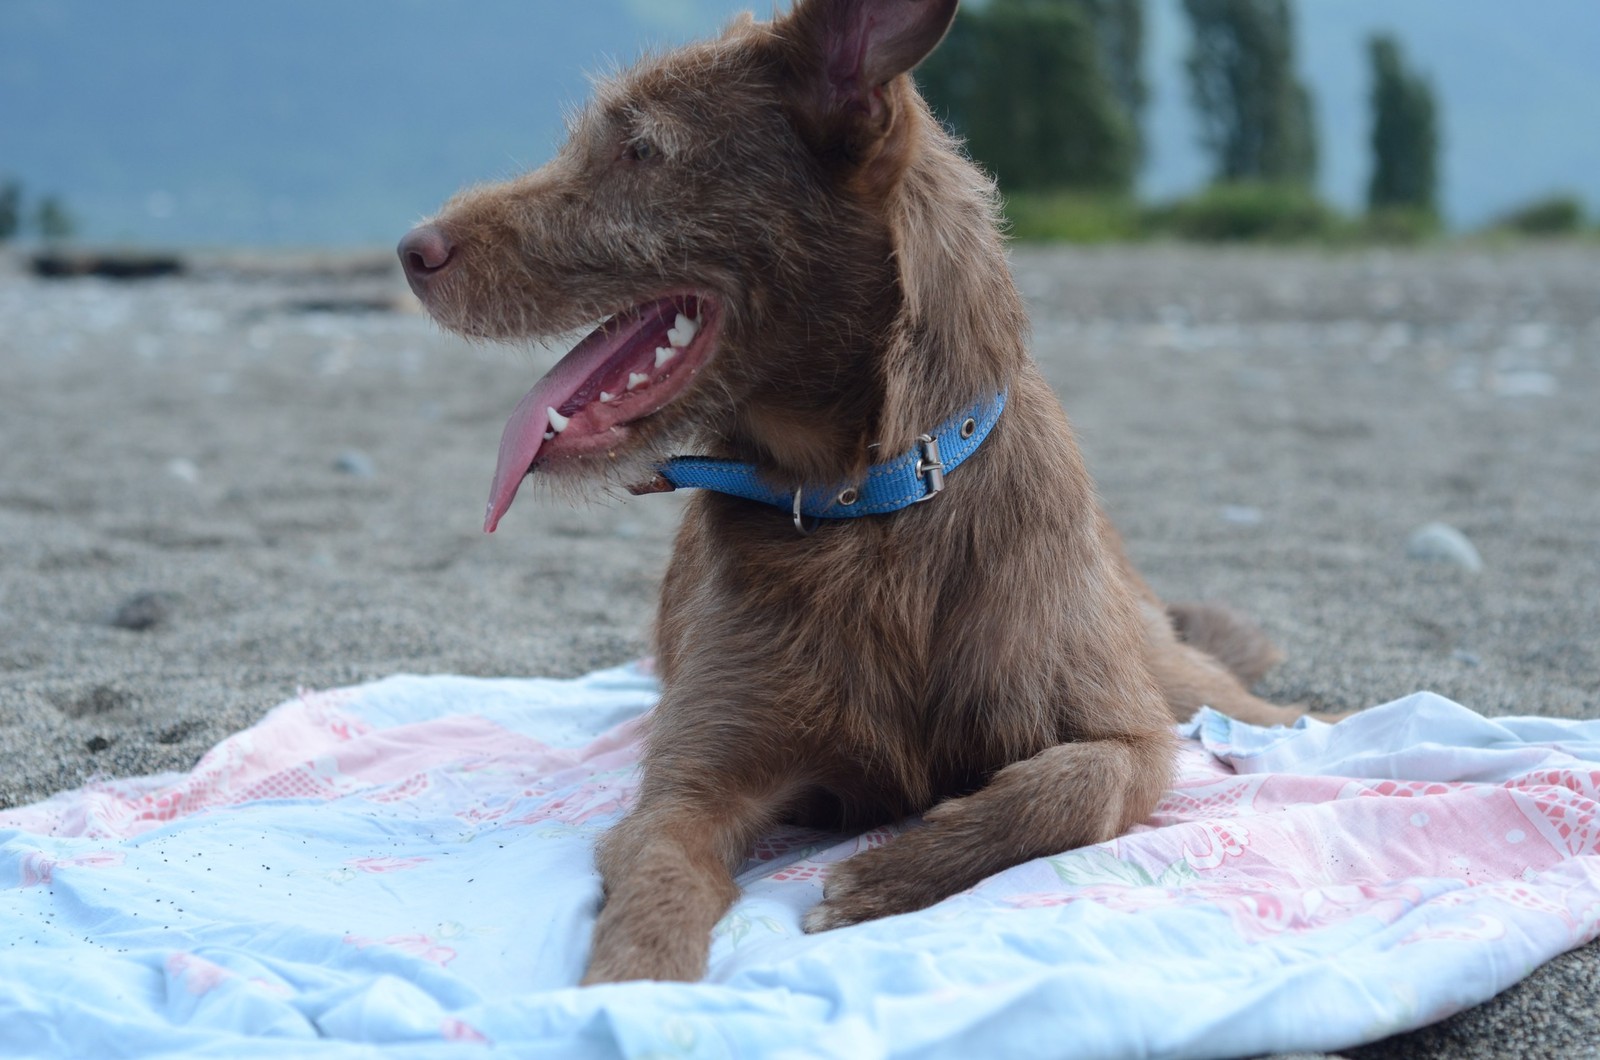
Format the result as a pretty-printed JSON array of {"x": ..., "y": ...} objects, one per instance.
[{"x": 405, "y": 868}]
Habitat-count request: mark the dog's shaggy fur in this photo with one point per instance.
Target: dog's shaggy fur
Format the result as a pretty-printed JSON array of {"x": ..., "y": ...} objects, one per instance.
[{"x": 988, "y": 659}]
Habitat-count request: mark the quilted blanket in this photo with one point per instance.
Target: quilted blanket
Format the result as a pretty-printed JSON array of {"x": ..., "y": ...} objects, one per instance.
[{"x": 404, "y": 868}]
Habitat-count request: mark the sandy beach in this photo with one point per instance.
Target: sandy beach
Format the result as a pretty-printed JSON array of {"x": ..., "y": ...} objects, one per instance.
[{"x": 269, "y": 474}]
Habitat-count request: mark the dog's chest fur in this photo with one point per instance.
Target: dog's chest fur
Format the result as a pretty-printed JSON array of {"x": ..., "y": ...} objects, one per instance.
[{"x": 914, "y": 656}]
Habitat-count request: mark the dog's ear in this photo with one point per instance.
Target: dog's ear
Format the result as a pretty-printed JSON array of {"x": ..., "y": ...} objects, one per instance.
[{"x": 847, "y": 56}]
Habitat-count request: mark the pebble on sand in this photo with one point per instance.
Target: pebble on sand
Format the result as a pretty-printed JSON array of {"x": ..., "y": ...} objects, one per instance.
[
  {"x": 184, "y": 470},
  {"x": 143, "y": 611},
  {"x": 355, "y": 462},
  {"x": 1443, "y": 543}
]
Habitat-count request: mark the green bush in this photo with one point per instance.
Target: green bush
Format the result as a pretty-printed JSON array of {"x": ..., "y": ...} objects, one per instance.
[
  {"x": 1554, "y": 215},
  {"x": 1240, "y": 212},
  {"x": 1071, "y": 217},
  {"x": 1400, "y": 224}
]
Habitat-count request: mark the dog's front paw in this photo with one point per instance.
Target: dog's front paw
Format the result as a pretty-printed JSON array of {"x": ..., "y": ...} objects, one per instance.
[
  {"x": 873, "y": 884},
  {"x": 823, "y": 918}
]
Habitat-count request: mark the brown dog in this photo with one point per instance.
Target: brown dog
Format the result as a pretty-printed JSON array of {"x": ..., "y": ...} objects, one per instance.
[{"x": 799, "y": 271}]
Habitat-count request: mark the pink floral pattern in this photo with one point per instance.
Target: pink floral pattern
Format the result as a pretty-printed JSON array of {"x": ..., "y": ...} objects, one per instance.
[
  {"x": 356, "y": 831},
  {"x": 815, "y": 866},
  {"x": 198, "y": 975},
  {"x": 425, "y": 947},
  {"x": 314, "y": 748},
  {"x": 454, "y": 1030},
  {"x": 1283, "y": 853},
  {"x": 386, "y": 864},
  {"x": 39, "y": 868}
]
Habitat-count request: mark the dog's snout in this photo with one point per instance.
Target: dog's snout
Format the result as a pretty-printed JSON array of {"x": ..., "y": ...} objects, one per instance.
[{"x": 424, "y": 251}]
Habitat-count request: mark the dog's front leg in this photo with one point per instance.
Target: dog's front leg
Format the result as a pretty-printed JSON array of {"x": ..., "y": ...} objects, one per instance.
[
  {"x": 1066, "y": 796},
  {"x": 667, "y": 868}
]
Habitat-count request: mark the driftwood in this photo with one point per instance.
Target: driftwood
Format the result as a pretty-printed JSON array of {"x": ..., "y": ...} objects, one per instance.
[{"x": 115, "y": 265}]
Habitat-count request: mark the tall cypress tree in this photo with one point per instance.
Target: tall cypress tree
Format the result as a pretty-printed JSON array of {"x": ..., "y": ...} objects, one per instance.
[
  {"x": 1255, "y": 114},
  {"x": 1118, "y": 27},
  {"x": 53, "y": 221},
  {"x": 1405, "y": 132},
  {"x": 1025, "y": 83}
]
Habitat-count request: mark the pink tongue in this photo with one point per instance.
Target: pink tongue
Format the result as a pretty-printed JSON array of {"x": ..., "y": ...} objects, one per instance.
[
  {"x": 519, "y": 444},
  {"x": 525, "y": 430}
]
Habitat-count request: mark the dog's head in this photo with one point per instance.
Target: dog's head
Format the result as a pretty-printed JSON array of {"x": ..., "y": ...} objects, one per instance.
[{"x": 721, "y": 208}]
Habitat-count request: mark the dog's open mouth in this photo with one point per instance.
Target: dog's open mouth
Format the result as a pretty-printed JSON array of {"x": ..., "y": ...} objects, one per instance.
[{"x": 626, "y": 369}]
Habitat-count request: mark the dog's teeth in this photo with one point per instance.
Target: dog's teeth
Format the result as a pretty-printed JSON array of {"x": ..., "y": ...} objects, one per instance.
[
  {"x": 549, "y": 435},
  {"x": 604, "y": 397},
  {"x": 558, "y": 422},
  {"x": 682, "y": 332},
  {"x": 664, "y": 354},
  {"x": 636, "y": 380}
]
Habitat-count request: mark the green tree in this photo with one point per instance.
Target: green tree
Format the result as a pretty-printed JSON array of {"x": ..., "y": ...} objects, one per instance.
[
  {"x": 1023, "y": 81},
  {"x": 1255, "y": 114},
  {"x": 1405, "y": 133},
  {"x": 1118, "y": 27},
  {"x": 53, "y": 221},
  {"x": 10, "y": 209}
]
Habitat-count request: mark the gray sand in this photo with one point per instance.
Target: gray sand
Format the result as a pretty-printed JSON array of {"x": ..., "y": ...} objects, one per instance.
[{"x": 212, "y": 495}]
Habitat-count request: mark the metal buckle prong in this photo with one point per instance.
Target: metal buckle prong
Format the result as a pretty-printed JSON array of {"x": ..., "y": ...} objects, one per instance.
[
  {"x": 930, "y": 466},
  {"x": 799, "y": 517}
]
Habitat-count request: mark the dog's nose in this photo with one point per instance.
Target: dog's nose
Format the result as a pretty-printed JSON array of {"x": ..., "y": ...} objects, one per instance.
[{"x": 423, "y": 252}]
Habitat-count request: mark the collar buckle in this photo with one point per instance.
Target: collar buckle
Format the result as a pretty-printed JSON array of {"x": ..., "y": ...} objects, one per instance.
[{"x": 929, "y": 467}]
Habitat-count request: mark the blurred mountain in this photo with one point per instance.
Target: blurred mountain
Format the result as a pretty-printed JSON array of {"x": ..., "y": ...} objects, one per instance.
[{"x": 340, "y": 122}]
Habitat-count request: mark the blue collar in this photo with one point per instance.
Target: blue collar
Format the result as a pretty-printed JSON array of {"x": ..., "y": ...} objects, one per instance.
[{"x": 913, "y": 476}]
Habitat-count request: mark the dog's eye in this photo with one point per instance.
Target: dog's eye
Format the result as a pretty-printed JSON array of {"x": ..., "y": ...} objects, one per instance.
[{"x": 641, "y": 151}]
